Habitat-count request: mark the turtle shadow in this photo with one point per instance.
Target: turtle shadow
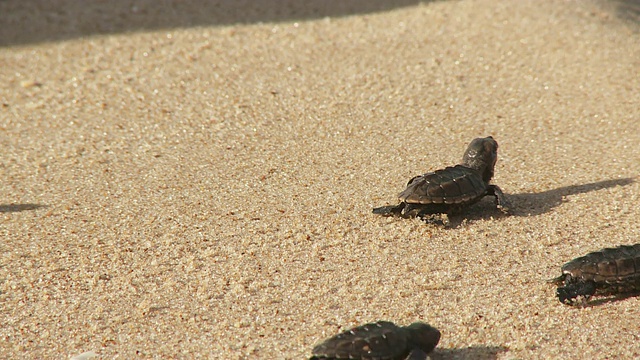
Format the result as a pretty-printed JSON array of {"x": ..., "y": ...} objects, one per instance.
[
  {"x": 531, "y": 204},
  {"x": 8, "y": 208},
  {"x": 485, "y": 210},
  {"x": 471, "y": 352},
  {"x": 611, "y": 299},
  {"x": 628, "y": 10}
]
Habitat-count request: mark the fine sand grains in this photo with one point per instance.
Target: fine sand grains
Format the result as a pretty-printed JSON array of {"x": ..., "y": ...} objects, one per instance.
[{"x": 195, "y": 179}]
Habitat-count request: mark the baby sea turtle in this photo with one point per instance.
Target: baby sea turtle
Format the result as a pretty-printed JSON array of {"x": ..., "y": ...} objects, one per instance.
[
  {"x": 605, "y": 272},
  {"x": 450, "y": 190},
  {"x": 382, "y": 340}
]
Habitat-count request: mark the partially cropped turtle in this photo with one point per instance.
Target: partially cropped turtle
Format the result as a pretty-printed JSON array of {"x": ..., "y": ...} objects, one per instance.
[
  {"x": 381, "y": 340},
  {"x": 452, "y": 189},
  {"x": 606, "y": 272}
]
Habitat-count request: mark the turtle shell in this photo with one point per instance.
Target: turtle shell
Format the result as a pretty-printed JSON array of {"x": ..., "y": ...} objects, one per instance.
[
  {"x": 451, "y": 185},
  {"x": 382, "y": 340},
  {"x": 606, "y": 272},
  {"x": 608, "y": 267}
]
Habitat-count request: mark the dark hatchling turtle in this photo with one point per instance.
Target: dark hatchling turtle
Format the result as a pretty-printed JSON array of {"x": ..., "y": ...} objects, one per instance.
[
  {"x": 382, "y": 340},
  {"x": 605, "y": 272},
  {"x": 450, "y": 190}
]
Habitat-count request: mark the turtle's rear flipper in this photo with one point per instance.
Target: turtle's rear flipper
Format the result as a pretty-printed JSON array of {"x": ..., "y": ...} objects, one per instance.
[{"x": 389, "y": 210}]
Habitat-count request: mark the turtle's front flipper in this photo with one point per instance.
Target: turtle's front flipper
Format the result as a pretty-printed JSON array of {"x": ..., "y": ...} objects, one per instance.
[
  {"x": 501, "y": 200},
  {"x": 416, "y": 354},
  {"x": 389, "y": 210}
]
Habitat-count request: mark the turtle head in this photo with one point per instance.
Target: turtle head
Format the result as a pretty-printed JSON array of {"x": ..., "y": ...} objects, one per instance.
[
  {"x": 569, "y": 293},
  {"x": 482, "y": 155},
  {"x": 423, "y": 336}
]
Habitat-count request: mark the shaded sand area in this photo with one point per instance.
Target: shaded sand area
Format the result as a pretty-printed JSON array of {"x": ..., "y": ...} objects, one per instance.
[{"x": 205, "y": 191}]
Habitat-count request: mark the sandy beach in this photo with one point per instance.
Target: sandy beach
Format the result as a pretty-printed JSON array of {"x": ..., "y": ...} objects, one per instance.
[{"x": 195, "y": 179}]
